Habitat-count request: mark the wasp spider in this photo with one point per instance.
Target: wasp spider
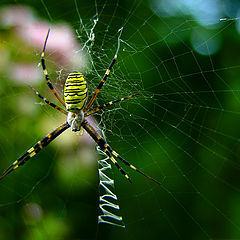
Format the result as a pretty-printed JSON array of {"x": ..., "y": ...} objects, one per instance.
[{"x": 77, "y": 110}]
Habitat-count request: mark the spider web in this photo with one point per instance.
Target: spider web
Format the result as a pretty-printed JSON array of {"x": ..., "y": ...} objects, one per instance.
[{"x": 182, "y": 129}]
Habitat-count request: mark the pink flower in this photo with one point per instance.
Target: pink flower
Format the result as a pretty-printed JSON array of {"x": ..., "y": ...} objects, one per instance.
[
  {"x": 16, "y": 16},
  {"x": 61, "y": 42},
  {"x": 24, "y": 72}
]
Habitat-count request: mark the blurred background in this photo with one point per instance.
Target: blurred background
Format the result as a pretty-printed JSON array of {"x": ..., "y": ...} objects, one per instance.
[{"x": 183, "y": 129}]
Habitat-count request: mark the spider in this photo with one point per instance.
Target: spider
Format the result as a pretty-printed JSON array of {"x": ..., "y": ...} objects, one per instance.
[{"x": 77, "y": 110}]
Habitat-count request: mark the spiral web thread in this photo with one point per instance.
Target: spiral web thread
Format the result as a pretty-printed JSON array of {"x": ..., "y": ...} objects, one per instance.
[{"x": 109, "y": 210}]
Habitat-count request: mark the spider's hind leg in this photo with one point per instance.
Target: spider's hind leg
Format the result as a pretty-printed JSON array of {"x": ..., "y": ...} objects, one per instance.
[
  {"x": 31, "y": 152},
  {"x": 101, "y": 143},
  {"x": 128, "y": 164},
  {"x": 108, "y": 150}
]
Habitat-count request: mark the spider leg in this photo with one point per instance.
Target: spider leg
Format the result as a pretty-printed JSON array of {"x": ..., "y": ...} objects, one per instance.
[
  {"x": 48, "y": 102},
  {"x": 108, "y": 104},
  {"x": 31, "y": 152},
  {"x": 108, "y": 150},
  {"x": 50, "y": 85},
  {"x": 127, "y": 163},
  {"x": 116, "y": 164},
  {"x": 105, "y": 76},
  {"x": 101, "y": 143}
]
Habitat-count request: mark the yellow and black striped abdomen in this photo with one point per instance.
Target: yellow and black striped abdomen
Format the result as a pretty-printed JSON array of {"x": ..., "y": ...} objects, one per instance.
[{"x": 75, "y": 92}]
